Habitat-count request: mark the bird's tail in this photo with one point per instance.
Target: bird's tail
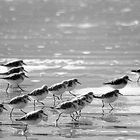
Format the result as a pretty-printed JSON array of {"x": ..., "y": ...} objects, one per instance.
[
  {"x": 2, "y": 77},
  {"x": 106, "y": 83},
  {"x": 17, "y": 120},
  {"x": 133, "y": 70},
  {"x": 3, "y": 73},
  {"x": 99, "y": 97}
]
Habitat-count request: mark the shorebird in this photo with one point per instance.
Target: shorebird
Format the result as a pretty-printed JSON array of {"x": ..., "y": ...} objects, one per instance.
[
  {"x": 138, "y": 72},
  {"x": 89, "y": 97},
  {"x": 118, "y": 83},
  {"x": 33, "y": 118},
  {"x": 15, "y": 78},
  {"x": 67, "y": 107},
  {"x": 39, "y": 94},
  {"x": 71, "y": 85},
  {"x": 109, "y": 97},
  {"x": 18, "y": 102},
  {"x": 14, "y": 70},
  {"x": 74, "y": 105},
  {"x": 57, "y": 90},
  {"x": 14, "y": 63},
  {"x": 2, "y": 108},
  {"x": 81, "y": 103}
]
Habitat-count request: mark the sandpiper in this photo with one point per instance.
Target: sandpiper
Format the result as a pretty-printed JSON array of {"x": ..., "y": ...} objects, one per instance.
[
  {"x": 33, "y": 118},
  {"x": 15, "y": 78},
  {"x": 2, "y": 108},
  {"x": 81, "y": 103},
  {"x": 138, "y": 72},
  {"x": 67, "y": 107},
  {"x": 118, "y": 83},
  {"x": 89, "y": 97},
  {"x": 14, "y": 63},
  {"x": 57, "y": 90},
  {"x": 74, "y": 105},
  {"x": 18, "y": 102},
  {"x": 39, "y": 94},
  {"x": 109, "y": 97},
  {"x": 71, "y": 85},
  {"x": 83, "y": 100},
  {"x": 14, "y": 70}
]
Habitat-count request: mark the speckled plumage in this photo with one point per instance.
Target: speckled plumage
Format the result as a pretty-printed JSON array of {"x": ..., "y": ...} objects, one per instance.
[{"x": 14, "y": 63}]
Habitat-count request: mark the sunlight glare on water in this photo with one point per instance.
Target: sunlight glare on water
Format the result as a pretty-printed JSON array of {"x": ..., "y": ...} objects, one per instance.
[{"x": 92, "y": 40}]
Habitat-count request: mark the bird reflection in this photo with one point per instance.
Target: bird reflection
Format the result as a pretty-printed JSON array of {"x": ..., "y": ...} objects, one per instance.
[
  {"x": 68, "y": 130},
  {"x": 109, "y": 117}
]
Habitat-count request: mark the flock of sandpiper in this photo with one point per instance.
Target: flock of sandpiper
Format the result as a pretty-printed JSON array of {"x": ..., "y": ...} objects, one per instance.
[{"x": 16, "y": 74}]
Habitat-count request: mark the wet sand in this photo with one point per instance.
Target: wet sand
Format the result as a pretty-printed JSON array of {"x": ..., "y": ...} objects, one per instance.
[
  {"x": 120, "y": 123},
  {"x": 94, "y": 41}
]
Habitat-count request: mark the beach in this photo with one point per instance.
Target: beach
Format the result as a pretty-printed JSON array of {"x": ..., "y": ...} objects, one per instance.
[{"x": 93, "y": 41}]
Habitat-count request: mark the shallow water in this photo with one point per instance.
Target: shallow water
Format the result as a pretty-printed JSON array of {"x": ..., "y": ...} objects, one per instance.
[{"x": 94, "y": 41}]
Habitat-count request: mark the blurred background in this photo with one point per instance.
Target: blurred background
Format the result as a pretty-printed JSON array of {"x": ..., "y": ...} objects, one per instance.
[{"x": 94, "y": 40}]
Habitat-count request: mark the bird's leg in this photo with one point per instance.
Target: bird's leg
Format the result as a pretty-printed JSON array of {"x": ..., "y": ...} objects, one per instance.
[
  {"x": 23, "y": 111},
  {"x": 54, "y": 100},
  {"x": 111, "y": 106},
  {"x": 103, "y": 104},
  {"x": 110, "y": 110},
  {"x": 34, "y": 105},
  {"x": 138, "y": 79},
  {"x": 41, "y": 102},
  {"x": 102, "y": 108},
  {"x": 61, "y": 97},
  {"x": 7, "y": 88},
  {"x": 58, "y": 117},
  {"x": 79, "y": 113},
  {"x": 72, "y": 116},
  {"x": 103, "y": 112},
  {"x": 26, "y": 128},
  {"x": 20, "y": 87},
  {"x": 11, "y": 112},
  {"x": 72, "y": 93}
]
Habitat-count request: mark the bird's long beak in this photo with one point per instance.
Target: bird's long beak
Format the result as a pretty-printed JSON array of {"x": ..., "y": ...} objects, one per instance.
[
  {"x": 78, "y": 82},
  {"x": 25, "y": 70},
  {"x": 129, "y": 80},
  {"x": 26, "y": 76},
  {"x": 120, "y": 93},
  {"x": 5, "y": 108},
  {"x": 45, "y": 114},
  {"x": 28, "y": 99},
  {"x": 24, "y": 63}
]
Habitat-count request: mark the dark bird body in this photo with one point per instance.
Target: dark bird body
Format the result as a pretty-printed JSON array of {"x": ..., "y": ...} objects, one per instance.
[
  {"x": 118, "y": 83},
  {"x": 19, "y": 102},
  {"x": 109, "y": 97},
  {"x": 39, "y": 94},
  {"x": 57, "y": 90},
  {"x": 33, "y": 118},
  {"x": 71, "y": 85},
  {"x": 15, "y": 79},
  {"x": 14, "y": 70},
  {"x": 15, "y": 63},
  {"x": 74, "y": 105}
]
